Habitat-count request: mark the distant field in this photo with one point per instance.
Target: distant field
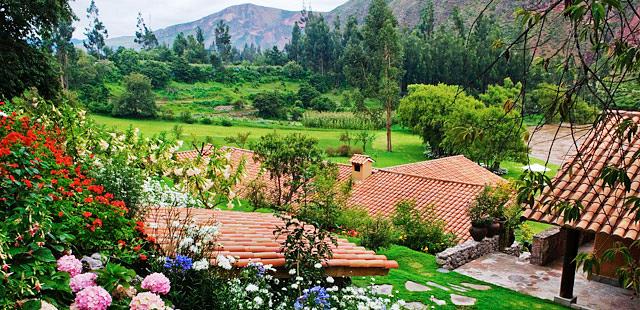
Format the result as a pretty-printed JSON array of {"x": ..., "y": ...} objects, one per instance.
[{"x": 407, "y": 147}]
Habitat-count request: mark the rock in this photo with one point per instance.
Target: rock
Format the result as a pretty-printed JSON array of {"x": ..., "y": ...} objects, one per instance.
[
  {"x": 415, "y": 287},
  {"x": 93, "y": 262},
  {"x": 384, "y": 289},
  {"x": 478, "y": 287},
  {"x": 436, "y": 285},
  {"x": 415, "y": 305},
  {"x": 463, "y": 253},
  {"x": 460, "y": 300},
  {"x": 524, "y": 257},
  {"x": 459, "y": 288},
  {"x": 437, "y": 301},
  {"x": 443, "y": 270}
]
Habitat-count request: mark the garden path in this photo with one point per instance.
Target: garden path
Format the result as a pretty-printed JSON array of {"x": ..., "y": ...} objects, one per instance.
[{"x": 544, "y": 281}]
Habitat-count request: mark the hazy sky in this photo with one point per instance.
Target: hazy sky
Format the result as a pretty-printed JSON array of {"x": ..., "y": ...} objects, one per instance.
[{"x": 119, "y": 16}]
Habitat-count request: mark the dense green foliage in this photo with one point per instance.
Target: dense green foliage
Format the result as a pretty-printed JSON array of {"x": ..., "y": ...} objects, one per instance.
[{"x": 138, "y": 99}]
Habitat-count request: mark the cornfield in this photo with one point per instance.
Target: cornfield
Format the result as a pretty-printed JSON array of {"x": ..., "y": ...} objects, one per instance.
[{"x": 340, "y": 120}]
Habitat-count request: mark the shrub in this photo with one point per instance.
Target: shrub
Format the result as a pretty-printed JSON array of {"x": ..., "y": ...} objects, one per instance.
[
  {"x": 158, "y": 72},
  {"x": 239, "y": 104},
  {"x": 353, "y": 218},
  {"x": 118, "y": 177},
  {"x": 168, "y": 115},
  {"x": 206, "y": 120},
  {"x": 377, "y": 233},
  {"x": 344, "y": 150},
  {"x": 270, "y": 105},
  {"x": 421, "y": 231},
  {"x": 187, "y": 117},
  {"x": 331, "y": 151},
  {"x": 322, "y": 104},
  {"x": 226, "y": 122},
  {"x": 293, "y": 70},
  {"x": 306, "y": 94},
  {"x": 138, "y": 99}
]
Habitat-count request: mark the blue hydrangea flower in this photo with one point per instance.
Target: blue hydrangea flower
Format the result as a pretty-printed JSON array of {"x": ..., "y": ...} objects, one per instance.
[
  {"x": 317, "y": 296},
  {"x": 182, "y": 262}
]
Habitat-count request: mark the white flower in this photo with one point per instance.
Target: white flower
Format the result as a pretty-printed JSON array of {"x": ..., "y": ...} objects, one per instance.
[
  {"x": 194, "y": 248},
  {"x": 208, "y": 184},
  {"x": 153, "y": 225},
  {"x": 227, "y": 172},
  {"x": 186, "y": 242},
  {"x": 224, "y": 262},
  {"x": 294, "y": 285},
  {"x": 177, "y": 171},
  {"x": 292, "y": 271},
  {"x": 193, "y": 171},
  {"x": 252, "y": 288},
  {"x": 2, "y": 114},
  {"x": 227, "y": 156},
  {"x": 317, "y": 266},
  {"x": 299, "y": 278},
  {"x": 230, "y": 204},
  {"x": 330, "y": 279},
  {"x": 202, "y": 264},
  {"x": 258, "y": 301},
  {"x": 103, "y": 145}
]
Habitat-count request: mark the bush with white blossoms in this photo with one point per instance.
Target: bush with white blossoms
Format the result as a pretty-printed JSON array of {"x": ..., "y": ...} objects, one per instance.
[{"x": 158, "y": 193}]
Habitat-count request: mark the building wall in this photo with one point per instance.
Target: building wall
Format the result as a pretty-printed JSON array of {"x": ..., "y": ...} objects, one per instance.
[{"x": 604, "y": 242}]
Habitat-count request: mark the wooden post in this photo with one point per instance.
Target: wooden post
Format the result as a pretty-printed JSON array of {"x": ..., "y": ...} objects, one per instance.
[{"x": 569, "y": 263}]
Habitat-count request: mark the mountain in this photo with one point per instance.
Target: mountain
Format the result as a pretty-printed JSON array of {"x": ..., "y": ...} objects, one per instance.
[
  {"x": 248, "y": 23},
  {"x": 266, "y": 27}
]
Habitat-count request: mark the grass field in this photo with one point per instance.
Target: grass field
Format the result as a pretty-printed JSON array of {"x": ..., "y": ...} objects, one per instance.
[
  {"x": 421, "y": 268},
  {"x": 407, "y": 147}
]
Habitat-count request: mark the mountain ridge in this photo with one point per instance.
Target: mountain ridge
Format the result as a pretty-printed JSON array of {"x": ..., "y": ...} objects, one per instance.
[{"x": 266, "y": 26}]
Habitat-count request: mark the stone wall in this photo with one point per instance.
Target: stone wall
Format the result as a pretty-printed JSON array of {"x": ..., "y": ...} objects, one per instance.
[
  {"x": 463, "y": 253},
  {"x": 547, "y": 246}
]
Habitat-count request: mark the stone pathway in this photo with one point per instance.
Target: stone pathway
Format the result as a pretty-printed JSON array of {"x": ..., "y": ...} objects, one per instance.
[
  {"x": 415, "y": 305},
  {"x": 385, "y": 289},
  {"x": 415, "y": 287},
  {"x": 544, "y": 282},
  {"x": 459, "y": 300},
  {"x": 456, "y": 299}
]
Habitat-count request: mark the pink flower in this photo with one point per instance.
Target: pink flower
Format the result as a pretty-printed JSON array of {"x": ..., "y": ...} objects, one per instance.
[
  {"x": 70, "y": 264},
  {"x": 146, "y": 301},
  {"x": 82, "y": 281},
  {"x": 156, "y": 283},
  {"x": 93, "y": 298}
]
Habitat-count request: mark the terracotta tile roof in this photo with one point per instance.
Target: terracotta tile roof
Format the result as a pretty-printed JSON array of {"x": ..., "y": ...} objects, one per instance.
[
  {"x": 450, "y": 184},
  {"x": 453, "y": 168},
  {"x": 579, "y": 181},
  {"x": 249, "y": 237},
  {"x": 380, "y": 192},
  {"x": 360, "y": 159}
]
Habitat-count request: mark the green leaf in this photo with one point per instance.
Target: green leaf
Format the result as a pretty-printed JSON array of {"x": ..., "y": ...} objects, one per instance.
[
  {"x": 44, "y": 255},
  {"x": 32, "y": 305}
]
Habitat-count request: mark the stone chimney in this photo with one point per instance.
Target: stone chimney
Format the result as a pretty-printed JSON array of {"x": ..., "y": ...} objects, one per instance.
[{"x": 362, "y": 166}]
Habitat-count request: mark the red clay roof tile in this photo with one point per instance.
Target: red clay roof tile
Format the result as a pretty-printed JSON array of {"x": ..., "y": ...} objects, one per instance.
[
  {"x": 579, "y": 181},
  {"x": 249, "y": 237}
]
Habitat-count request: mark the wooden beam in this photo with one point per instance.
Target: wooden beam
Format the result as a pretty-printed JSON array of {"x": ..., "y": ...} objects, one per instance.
[{"x": 569, "y": 263}]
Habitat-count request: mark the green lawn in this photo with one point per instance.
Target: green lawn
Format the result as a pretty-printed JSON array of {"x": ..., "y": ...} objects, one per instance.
[
  {"x": 421, "y": 268},
  {"x": 515, "y": 169},
  {"x": 407, "y": 147}
]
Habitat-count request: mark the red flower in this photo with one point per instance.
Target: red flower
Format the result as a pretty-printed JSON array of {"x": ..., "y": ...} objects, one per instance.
[
  {"x": 137, "y": 248},
  {"x": 143, "y": 257},
  {"x": 151, "y": 239},
  {"x": 88, "y": 200},
  {"x": 122, "y": 243},
  {"x": 60, "y": 214},
  {"x": 5, "y": 267},
  {"x": 97, "y": 222},
  {"x": 54, "y": 181},
  {"x": 86, "y": 214},
  {"x": 28, "y": 183}
]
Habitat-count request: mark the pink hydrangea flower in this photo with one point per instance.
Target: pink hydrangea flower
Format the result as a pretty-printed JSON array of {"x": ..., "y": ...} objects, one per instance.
[
  {"x": 70, "y": 264},
  {"x": 156, "y": 283},
  {"x": 83, "y": 281},
  {"x": 93, "y": 298},
  {"x": 146, "y": 301}
]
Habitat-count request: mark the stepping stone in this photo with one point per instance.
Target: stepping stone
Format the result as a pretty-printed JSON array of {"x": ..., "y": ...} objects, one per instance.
[
  {"x": 443, "y": 270},
  {"x": 478, "y": 287},
  {"x": 444, "y": 288},
  {"x": 437, "y": 301},
  {"x": 385, "y": 289},
  {"x": 459, "y": 288},
  {"x": 415, "y": 305},
  {"x": 416, "y": 287},
  {"x": 459, "y": 300}
]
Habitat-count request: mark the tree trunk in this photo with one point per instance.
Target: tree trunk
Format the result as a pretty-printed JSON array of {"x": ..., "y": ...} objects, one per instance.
[{"x": 389, "y": 148}]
